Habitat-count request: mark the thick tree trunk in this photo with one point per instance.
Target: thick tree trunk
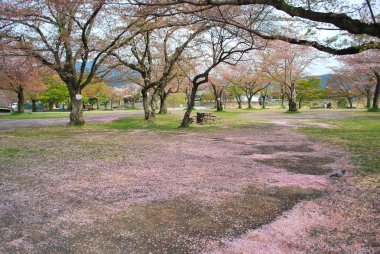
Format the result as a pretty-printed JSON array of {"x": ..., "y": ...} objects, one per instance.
[
  {"x": 368, "y": 97},
  {"x": 146, "y": 104},
  {"x": 34, "y": 108},
  {"x": 97, "y": 104},
  {"x": 219, "y": 104},
  {"x": 153, "y": 103},
  {"x": 111, "y": 102},
  {"x": 349, "y": 101},
  {"x": 292, "y": 97},
  {"x": 76, "y": 114},
  {"x": 50, "y": 105},
  {"x": 375, "y": 103},
  {"x": 20, "y": 100},
  {"x": 163, "y": 105}
]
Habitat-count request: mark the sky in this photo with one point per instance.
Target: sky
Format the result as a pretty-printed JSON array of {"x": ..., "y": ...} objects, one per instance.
[{"x": 322, "y": 66}]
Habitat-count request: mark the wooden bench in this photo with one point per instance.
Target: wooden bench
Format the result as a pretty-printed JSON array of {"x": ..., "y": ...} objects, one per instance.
[{"x": 207, "y": 118}]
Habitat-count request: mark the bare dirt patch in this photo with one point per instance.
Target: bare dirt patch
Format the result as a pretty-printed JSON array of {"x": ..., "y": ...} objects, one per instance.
[
  {"x": 271, "y": 149},
  {"x": 302, "y": 164},
  {"x": 180, "y": 225}
]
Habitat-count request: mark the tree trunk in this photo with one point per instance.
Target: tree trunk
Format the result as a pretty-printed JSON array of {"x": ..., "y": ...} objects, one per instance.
[
  {"x": 20, "y": 100},
  {"x": 283, "y": 101},
  {"x": 263, "y": 105},
  {"x": 146, "y": 104},
  {"x": 153, "y": 103},
  {"x": 218, "y": 98},
  {"x": 249, "y": 101},
  {"x": 191, "y": 103},
  {"x": 111, "y": 102},
  {"x": 349, "y": 101},
  {"x": 368, "y": 97},
  {"x": 34, "y": 108},
  {"x": 219, "y": 104},
  {"x": 97, "y": 104},
  {"x": 375, "y": 104},
  {"x": 300, "y": 103},
  {"x": 50, "y": 106},
  {"x": 163, "y": 106},
  {"x": 76, "y": 114},
  {"x": 292, "y": 98},
  {"x": 238, "y": 100}
]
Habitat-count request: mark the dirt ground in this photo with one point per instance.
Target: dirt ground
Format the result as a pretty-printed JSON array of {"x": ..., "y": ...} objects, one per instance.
[{"x": 262, "y": 188}]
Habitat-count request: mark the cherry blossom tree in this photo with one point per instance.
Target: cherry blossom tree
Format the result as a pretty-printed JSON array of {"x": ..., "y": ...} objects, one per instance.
[
  {"x": 303, "y": 21},
  {"x": 364, "y": 69},
  {"x": 340, "y": 85},
  {"x": 73, "y": 38},
  {"x": 36, "y": 87},
  {"x": 18, "y": 74},
  {"x": 97, "y": 91},
  {"x": 227, "y": 46},
  {"x": 285, "y": 64},
  {"x": 218, "y": 87},
  {"x": 249, "y": 77},
  {"x": 154, "y": 56}
]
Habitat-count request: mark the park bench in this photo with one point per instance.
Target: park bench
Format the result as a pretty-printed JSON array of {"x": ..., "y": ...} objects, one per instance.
[{"x": 207, "y": 118}]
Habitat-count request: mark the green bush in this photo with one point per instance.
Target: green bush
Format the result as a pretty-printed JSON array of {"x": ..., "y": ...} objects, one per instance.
[
  {"x": 342, "y": 102},
  {"x": 373, "y": 110}
]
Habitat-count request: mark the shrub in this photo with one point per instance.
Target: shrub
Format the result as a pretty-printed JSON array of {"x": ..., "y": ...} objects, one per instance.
[{"x": 342, "y": 102}]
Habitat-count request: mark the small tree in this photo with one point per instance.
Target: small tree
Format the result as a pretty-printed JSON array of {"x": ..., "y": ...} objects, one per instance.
[
  {"x": 236, "y": 93},
  {"x": 56, "y": 91},
  {"x": 339, "y": 85},
  {"x": 248, "y": 77},
  {"x": 226, "y": 46},
  {"x": 36, "y": 87},
  {"x": 308, "y": 89},
  {"x": 17, "y": 75},
  {"x": 96, "y": 91},
  {"x": 218, "y": 87},
  {"x": 285, "y": 64}
]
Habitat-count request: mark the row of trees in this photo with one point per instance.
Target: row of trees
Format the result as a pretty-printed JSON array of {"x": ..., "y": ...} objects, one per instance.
[
  {"x": 39, "y": 84},
  {"x": 163, "y": 40}
]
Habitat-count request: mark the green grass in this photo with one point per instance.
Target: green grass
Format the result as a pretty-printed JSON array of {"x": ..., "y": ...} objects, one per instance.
[
  {"x": 46, "y": 115},
  {"x": 361, "y": 135},
  {"x": 172, "y": 121},
  {"x": 162, "y": 122},
  {"x": 35, "y": 115}
]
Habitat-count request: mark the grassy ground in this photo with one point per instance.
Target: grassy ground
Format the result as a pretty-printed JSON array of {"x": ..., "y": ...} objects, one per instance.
[
  {"x": 46, "y": 115},
  {"x": 360, "y": 134}
]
